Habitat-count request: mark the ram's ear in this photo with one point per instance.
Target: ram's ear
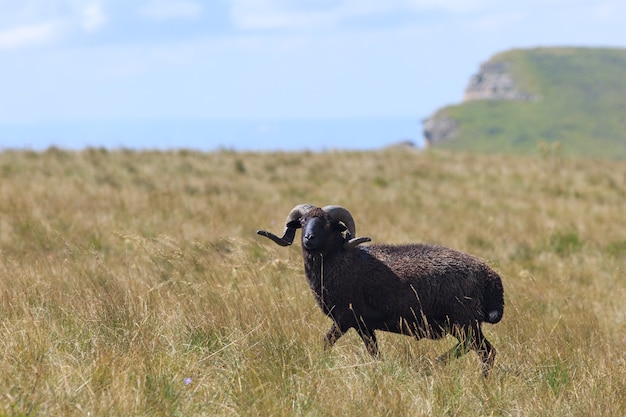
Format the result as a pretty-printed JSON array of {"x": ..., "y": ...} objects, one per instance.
[
  {"x": 294, "y": 224},
  {"x": 340, "y": 227}
]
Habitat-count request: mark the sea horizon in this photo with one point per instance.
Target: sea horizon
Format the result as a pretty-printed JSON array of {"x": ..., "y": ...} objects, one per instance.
[{"x": 358, "y": 133}]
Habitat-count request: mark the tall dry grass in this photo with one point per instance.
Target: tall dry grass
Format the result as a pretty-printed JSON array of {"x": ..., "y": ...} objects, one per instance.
[{"x": 134, "y": 284}]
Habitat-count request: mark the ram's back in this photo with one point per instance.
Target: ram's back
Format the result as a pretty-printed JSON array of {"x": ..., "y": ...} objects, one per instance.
[{"x": 421, "y": 279}]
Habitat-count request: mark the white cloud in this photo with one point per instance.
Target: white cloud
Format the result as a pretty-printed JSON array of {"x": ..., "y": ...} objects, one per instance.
[
  {"x": 93, "y": 17},
  {"x": 38, "y": 22},
  {"x": 27, "y": 35},
  {"x": 303, "y": 14},
  {"x": 172, "y": 9},
  {"x": 608, "y": 11},
  {"x": 456, "y": 6},
  {"x": 496, "y": 21},
  {"x": 286, "y": 14}
]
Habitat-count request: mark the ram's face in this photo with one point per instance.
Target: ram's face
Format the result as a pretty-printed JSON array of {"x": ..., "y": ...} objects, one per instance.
[{"x": 317, "y": 230}]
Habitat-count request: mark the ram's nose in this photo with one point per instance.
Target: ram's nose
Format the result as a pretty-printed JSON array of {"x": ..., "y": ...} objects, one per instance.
[{"x": 310, "y": 241}]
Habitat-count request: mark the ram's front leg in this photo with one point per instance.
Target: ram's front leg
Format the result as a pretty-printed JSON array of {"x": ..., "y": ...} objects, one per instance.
[
  {"x": 334, "y": 333},
  {"x": 369, "y": 338}
]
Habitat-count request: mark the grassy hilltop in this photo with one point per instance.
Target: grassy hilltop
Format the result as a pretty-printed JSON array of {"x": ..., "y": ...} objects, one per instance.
[
  {"x": 579, "y": 106},
  {"x": 134, "y": 284}
]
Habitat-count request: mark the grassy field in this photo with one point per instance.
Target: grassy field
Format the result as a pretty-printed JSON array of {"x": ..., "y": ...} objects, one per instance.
[{"x": 134, "y": 284}]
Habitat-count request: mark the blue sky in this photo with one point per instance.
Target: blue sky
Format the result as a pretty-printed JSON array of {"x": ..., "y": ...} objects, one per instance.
[{"x": 260, "y": 74}]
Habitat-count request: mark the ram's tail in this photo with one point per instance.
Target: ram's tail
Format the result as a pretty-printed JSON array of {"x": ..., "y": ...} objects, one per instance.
[{"x": 493, "y": 297}]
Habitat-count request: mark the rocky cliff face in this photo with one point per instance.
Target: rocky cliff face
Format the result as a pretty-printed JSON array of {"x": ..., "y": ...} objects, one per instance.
[
  {"x": 492, "y": 82},
  {"x": 438, "y": 128}
]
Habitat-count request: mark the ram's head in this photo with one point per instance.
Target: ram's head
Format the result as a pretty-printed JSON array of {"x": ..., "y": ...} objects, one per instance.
[{"x": 316, "y": 224}]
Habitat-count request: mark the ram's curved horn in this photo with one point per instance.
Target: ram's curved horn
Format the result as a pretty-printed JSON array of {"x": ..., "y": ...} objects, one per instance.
[
  {"x": 355, "y": 242},
  {"x": 341, "y": 214},
  {"x": 290, "y": 232}
]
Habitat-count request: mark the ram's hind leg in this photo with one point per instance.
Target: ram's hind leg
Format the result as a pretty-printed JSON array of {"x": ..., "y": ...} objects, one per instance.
[
  {"x": 484, "y": 349},
  {"x": 471, "y": 338},
  {"x": 460, "y": 349},
  {"x": 457, "y": 351}
]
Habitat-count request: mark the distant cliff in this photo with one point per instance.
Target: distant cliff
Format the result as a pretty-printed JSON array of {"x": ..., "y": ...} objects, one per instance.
[
  {"x": 519, "y": 101},
  {"x": 492, "y": 82}
]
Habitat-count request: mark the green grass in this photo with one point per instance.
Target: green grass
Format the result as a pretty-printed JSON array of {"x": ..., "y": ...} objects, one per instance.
[
  {"x": 133, "y": 283},
  {"x": 580, "y": 101}
]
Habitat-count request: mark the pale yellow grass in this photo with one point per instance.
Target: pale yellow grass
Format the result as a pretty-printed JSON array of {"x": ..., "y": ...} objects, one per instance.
[{"x": 134, "y": 284}]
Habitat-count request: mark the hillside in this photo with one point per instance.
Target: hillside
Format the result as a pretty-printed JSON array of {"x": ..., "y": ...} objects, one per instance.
[
  {"x": 134, "y": 284},
  {"x": 567, "y": 100}
]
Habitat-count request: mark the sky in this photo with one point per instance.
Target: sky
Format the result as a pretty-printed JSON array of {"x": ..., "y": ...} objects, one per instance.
[{"x": 260, "y": 74}]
